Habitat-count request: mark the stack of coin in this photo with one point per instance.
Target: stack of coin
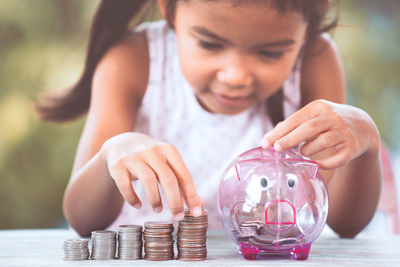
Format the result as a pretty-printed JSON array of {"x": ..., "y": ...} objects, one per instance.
[
  {"x": 76, "y": 249},
  {"x": 158, "y": 241},
  {"x": 103, "y": 245},
  {"x": 246, "y": 230},
  {"x": 130, "y": 242},
  {"x": 192, "y": 237}
]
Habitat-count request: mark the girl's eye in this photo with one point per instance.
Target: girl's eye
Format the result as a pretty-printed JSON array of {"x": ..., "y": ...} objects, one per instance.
[
  {"x": 270, "y": 54},
  {"x": 209, "y": 46}
]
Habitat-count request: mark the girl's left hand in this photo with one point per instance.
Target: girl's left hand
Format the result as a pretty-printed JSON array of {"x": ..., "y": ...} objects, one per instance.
[{"x": 322, "y": 125}]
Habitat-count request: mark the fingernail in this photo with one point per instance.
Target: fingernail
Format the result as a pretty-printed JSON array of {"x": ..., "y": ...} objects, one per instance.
[
  {"x": 179, "y": 216},
  {"x": 265, "y": 143},
  {"x": 158, "y": 209},
  {"x": 197, "y": 211},
  {"x": 137, "y": 205},
  {"x": 277, "y": 146}
]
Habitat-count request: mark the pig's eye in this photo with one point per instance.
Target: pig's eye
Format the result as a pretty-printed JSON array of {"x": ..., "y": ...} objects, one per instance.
[
  {"x": 292, "y": 181},
  {"x": 263, "y": 182}
]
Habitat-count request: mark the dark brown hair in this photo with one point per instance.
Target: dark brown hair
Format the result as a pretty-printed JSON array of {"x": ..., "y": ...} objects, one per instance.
[{"x": 111, "y": 23}]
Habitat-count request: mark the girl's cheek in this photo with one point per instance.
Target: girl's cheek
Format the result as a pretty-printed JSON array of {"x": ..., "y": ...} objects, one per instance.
[
  {"x": 271, "y": 79},
  {"x": 197, "y": 74},
  {"x": 198, "y": 69}
]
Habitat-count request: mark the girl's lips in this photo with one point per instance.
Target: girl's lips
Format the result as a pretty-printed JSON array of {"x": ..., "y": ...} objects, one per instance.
[{"x": 230, "y": 101}]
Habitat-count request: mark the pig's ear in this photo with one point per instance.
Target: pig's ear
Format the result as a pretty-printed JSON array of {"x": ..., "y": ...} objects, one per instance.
[
  {"x": 237, "y": 170},
  {"x": 244, "y": 169},
  {"x": 310, "y": 168},
  {"x": 230, "y": 174}
]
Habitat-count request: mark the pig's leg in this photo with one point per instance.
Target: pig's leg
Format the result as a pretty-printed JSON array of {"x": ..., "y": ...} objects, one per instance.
[
  {"x": 248, "y": 251},
  {"x": 300, "y": 252}
]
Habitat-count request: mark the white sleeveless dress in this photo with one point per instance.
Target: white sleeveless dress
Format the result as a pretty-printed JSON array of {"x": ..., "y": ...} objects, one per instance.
[{"x": 207, "y": 142}]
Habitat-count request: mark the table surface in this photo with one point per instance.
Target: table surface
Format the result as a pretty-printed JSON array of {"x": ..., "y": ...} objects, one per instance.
[{"x": 45, "y": 248}]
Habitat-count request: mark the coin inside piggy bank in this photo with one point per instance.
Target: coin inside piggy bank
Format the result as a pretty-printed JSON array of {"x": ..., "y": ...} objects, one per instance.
[{"x": 273, "y": 203}]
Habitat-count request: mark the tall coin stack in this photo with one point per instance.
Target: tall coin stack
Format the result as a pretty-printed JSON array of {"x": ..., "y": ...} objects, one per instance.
[
  {"x": 158, "y": 241},
  {"x": 130, "y": 242},
  {"x": 192, "y": 237},
  {"x": 76, "y": 249},
  {"x": 103, "y": 245}
]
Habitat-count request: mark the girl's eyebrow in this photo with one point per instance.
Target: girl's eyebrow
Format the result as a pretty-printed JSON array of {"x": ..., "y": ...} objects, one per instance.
[
  {"x": 285, "y": 42},
  {"x": 205, "y": 32}
]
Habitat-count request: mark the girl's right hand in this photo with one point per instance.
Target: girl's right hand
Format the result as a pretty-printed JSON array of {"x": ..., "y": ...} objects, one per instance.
[{"x": 134, "y": 156}]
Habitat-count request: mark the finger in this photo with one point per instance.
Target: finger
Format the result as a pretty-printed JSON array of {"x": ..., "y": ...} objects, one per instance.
[
  {"x": 148, "y": 179},
  {"x": 303, "y": 132},
  {"x": 169, "y": 184},
  {"x": 342, "y": 156},
  {"x": 124, "y": 184},
  {"x": 321, "y": 142},
  {"x": 308, "y": 112},
  {"x": 185, "y": 181}
]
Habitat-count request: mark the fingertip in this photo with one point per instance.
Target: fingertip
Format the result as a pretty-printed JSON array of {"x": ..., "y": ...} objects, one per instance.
[
  {"x": 265, "y": 143},
  {"x": 267, "y": 135},
  {"x": 197, "y": 211},
  {"x": 158, "y": 209},
  {"x": 277, "y": 147},
  {"x": 179, "y": 216},
  {"x": 137, "y": 205}
]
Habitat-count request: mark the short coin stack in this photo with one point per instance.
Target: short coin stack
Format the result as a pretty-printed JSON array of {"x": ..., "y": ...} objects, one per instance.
[
  {"x": 76, "y": 249},
  {"x": 103, "y": 245},
  {"x": 130, "y": 242},
  {"x": 192, "y": 237},
  {"x": 158, "y": 241}
]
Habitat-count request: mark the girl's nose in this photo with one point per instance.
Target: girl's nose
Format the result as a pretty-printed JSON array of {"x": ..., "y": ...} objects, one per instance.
[{"x": 235, "y": 76}]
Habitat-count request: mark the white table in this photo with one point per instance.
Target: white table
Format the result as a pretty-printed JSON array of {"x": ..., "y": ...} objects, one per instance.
[{"x": 45, "y": 248}]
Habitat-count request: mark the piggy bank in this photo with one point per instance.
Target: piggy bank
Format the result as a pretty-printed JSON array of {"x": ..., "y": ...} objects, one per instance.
[{"x": 273, "y": 203}]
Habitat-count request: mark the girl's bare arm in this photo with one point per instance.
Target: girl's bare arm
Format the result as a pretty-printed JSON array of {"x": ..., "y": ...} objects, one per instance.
[
  {"x": 92, "y": 199},
  {"x": 354, "y": 188},
  {"x": 110, "y": 155},
  {"x": 343, "y": 139}
]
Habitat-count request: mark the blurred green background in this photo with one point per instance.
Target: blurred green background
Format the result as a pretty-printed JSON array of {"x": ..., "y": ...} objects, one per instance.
[{"x": 42, "y": 48}]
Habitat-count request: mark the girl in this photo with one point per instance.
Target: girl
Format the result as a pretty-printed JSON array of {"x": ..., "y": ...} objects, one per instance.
[{"x": 172, "y": 102}]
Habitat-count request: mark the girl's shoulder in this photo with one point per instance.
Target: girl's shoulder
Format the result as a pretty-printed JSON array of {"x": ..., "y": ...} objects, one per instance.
[
  {"x": 123, "y": 70},
  {"x": 130, "y": 58},
  {"x": 322, "y": 75},
  {"x": 324, "y": 45},
  {"x": 118, "y": 86}
]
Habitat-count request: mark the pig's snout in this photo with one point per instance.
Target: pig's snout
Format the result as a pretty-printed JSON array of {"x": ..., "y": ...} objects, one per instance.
[{"x": 280, "y": 212}]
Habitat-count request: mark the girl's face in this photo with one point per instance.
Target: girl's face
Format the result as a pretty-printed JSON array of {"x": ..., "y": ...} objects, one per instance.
[{"x": 235, "y": 56}]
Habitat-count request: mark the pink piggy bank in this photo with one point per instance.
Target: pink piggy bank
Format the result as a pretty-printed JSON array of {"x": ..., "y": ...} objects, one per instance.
[{"x": 273, "y": 203}]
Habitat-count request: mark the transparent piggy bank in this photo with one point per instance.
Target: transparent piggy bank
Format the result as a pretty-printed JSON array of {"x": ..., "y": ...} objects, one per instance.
[{"x": 273, "y": 203}]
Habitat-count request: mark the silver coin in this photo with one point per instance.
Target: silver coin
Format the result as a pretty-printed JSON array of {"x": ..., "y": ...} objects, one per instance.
[
  {"x": 76, "y": 249},
  {"x": 130, "y": 228},
  {"x": 130, "y": 242},
  {"x": 158, "y": 224},
  {"x": 103, "y": 245},
  {"x": 158, "y": 240},
  {"x": 192, "y": 237}
]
